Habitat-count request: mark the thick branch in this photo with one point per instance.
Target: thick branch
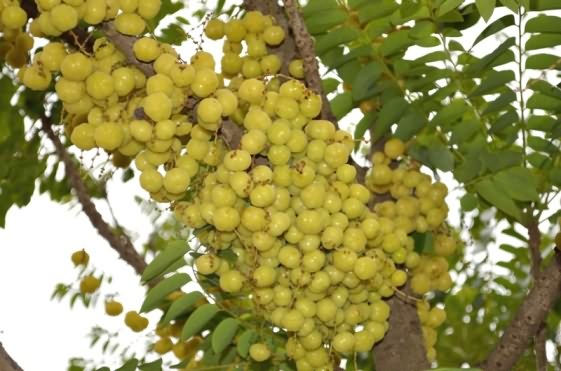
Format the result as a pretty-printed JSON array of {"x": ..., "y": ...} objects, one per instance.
[
  {"x": 531, "y": 314},
  {"x": 121, "y": 244},
  {"x": 305, "y": 45},
  {"x": 7, "y": 363},
  {"x": 402, "y": 347},
  {"x": 534, "y": 241}
]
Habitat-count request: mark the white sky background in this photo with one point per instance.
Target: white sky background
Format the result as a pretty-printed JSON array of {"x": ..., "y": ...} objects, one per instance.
[{"x": 35, "y": 251}]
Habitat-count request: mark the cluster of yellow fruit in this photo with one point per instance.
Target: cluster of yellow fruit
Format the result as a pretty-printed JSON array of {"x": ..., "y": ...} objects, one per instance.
[
  {"x": 266, "y": 179},
  {"x": 90, "y": 284},
  {"x": 58, "y": 16},
  {"x": 431, "y": 319},
  {"x": 257, "y": 32}
]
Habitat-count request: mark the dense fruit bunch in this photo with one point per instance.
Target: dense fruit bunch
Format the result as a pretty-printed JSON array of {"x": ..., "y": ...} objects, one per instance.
[{"x": 253, "y": 170}]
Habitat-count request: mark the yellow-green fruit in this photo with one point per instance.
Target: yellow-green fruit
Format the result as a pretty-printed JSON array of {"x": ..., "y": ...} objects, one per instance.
[
  {"x": 96, "y": 10},
  {"x": 296, "y": 68},
  {"x": 64, "y": 17},
  {"x": 207, "y": 264},
  {"x": 182, "y": 74},
  {"x": 52, "y": 56},
  {"x": 163, "y": 345},
  {"x": 130, "y": 24},
  {"x": 394, "y": 148},
  {"x": 259, "y": 352},
  {"x": 113, "y": 307},
  {"x": 135, "y": 321},
  {"x": 80, "y": 257},
  {"x": 47, "y": 4},
  {"x": 123, "y": 80},
  {"x": 343, "y": 342},
  {"x": 99, "y": 85},
  {"x": 89, "y": 284},
  {"x": 151, "y": 180},
  {"x": 37, "y": 78},
  {"x": 231, "y": 281},
  {"x": 13, "y": 16},
  {"x": 146, "y": 49},
  {"x": 83, "y": 136},
  {"x": 148, "y": 9},
  {"x": 109, "y": 136},
  {"x": 214, "y": 29},
  {"x": 70, "y": 91},
  {"x": 176, "y": 180},
  {"x": 157, "y": 106},
  {"x": 128, "y": 6},
  {"x": 76, "y": 67},
  {"x": 273, "y": 35}
]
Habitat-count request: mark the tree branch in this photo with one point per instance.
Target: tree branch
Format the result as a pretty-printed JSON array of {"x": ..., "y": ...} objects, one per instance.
[
  {"x": 531, "y": 315},
  {"x": 534, "y": 241},
  {"x": 305, "y": 45},
  {"x": 125, "y": 44},
  {"x": 7, "y": 363},
  {"x": 121, "y": 244}
]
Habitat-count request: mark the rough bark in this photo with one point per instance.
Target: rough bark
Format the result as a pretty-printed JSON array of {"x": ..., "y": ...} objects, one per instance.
[
  {"x": 534, "y": 241},
  {"x": 7, "y": 363},
  {"x": 527, "y": 322},
  {"x": 402, "y": 347},
  {"x": 120, "y": 243}
]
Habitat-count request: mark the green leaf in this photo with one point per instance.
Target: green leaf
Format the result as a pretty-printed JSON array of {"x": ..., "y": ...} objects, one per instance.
[
  {"x": 129, "y": 365},
  {"x": 543, "y": 23},
  {"x": 396, "y": 42},
  {"x": 322, "y": 21},
  {"x": 497, "y": 197},
  {"x": 365, "y": 81},
  {"x": 501, "y": 103},
  {"x": 493, "y": 81},
  {"x": 376, "y": 10},
  {"x": 389, "y": 114},
  {"x": 468, "y": 202},
  {"x": 363, "y": 125},
  {"x": 543, "y": 62},
  {"x": 544, "y": 102},
  {"x": 449, "y": 114},
  {"x": 330, "y": 85},
  {"x": 168, "y": 7},
  {"x": 181, "y": 306},
  {"x": 423, "y": 242},
  {"x": 341, "y": 105},
  {"x": 198, "y": 320},
  {"x": 544, "y": 5},
  {"x": 545, "y": 88},
  {"x": 486, "y": 8},
  {"x": 540, "y": 41},
  {"x": 223, "y": 334},
  {"x": 542, "y": 123},
  {"x": 158, "y": 293},
  {"x": 174, "y": 250},
  {"x": 511, "y": 4},
  {"x": 503, "y": 122},
  {"x": 540, "y": 144},
  {"x": 474, "y": 69},
  {"x": 448, "y": 6},
  {"x": 330, "y": 40},
  {"x": 410, "y": 125},
  {"x": 245, "y": 341},
  {"x": 315, "y": 6},
  {"x": 520, "y": 183},
  {"x": 495, "y": 27},
  {"x": 151, "y": 366}
]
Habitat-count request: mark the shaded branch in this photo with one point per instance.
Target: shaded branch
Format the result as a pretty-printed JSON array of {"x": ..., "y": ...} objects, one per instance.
[
  {"x": 531, "y": 315},
  {"x": 534, "y": 241},
  {"x": 305, "y": 45},
  {"x": 7, "y": 363},
  {"x": 121, "y": 244},
  {"x": 402, "y": 348}
]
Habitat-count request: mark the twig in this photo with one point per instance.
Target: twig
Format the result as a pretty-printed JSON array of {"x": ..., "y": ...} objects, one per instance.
[
  {"x": 531, "y": 315},
  {"x": 121, "y": 244},
  {"x": 305, "y": 45},
  {"x": 534, "y": 240},
  {"x": 7, "y": 363}
]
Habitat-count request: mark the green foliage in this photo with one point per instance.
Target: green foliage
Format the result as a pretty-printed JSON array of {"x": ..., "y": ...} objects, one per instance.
[
  {"x": 158, "y": 293},
  {"x": 171, "y": 254}
]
